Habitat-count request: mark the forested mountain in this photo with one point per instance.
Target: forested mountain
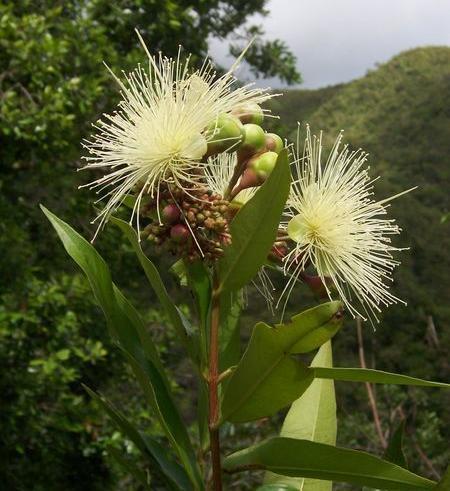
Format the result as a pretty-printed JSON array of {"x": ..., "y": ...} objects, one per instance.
[{"x": 400, "y": 114}]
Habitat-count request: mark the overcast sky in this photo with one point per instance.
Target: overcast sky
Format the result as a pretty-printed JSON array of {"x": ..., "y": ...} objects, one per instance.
[{"x": 339, "y": 40}]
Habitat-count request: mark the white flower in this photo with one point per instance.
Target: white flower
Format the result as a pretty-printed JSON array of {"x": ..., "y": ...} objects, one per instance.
[
  {"x": 218, "y": 174},
  {"x": 160, "y": 131},
  {"x": 339, "y": 228}
]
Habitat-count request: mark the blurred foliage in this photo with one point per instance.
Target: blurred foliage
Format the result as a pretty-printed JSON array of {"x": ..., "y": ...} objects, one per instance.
[{"x": 50, "y": 339}]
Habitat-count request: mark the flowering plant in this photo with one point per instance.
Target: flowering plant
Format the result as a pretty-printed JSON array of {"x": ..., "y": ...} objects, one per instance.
[{"x": 231, "y": 203}]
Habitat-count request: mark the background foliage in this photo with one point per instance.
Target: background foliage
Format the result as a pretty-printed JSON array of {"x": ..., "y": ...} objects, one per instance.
[{"x": 52, "y": 336}]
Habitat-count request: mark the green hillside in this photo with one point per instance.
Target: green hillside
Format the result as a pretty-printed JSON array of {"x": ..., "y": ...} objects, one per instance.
[{"x": 400, "y": 114}]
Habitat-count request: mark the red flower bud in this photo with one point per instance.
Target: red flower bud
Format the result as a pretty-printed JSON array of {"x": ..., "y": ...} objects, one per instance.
[
  {"x": 316, "y": 285},
  {"x": 170, "y": 214},
  {"x": 249, "y": 179},
  {"x": 179, "y": 233}
]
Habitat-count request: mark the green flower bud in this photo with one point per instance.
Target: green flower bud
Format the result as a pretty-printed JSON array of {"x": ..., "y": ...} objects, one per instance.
[
  {"x": 254, "y": 139},
  {"x": 225, "y": 134},
  {"x": 170, "y": 213},
  {"x": 263, "y": 164},
  {"x": 274, "y": 143},
  {"x": 249, "y": 113},
  {"x": 179, "y": 233}
]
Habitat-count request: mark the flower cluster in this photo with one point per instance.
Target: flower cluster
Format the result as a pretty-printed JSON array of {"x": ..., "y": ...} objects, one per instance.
[
  {"x": 189, "y": 148},
  {"x": 169, "y": 119}
]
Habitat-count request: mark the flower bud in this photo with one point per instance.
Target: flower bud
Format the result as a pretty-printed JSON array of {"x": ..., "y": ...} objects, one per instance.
[
  {"x": 249, "y": 113},
  {"x": 249, "y": 179},
  {"x": 179, "y": 233},
  {"x": 225, "y": 134},
  {"x": 254, "y": 140},
  {"x": 274, "y": 143},
  {"x": 263, "y": 164},
  {"x": 170, "y": 214}
]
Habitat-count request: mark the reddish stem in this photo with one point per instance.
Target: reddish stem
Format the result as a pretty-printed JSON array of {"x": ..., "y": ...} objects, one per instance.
[{"x": 213, "y": 381}]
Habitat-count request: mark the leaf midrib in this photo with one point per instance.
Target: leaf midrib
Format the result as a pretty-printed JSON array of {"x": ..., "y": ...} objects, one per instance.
[
  {"x": 247, "y": 241},
  {"x": 256, "y": 386}
]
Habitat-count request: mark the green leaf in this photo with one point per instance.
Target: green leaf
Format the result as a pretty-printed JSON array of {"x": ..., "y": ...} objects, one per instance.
[
  {"x": 303, "y": 458},
  {"x": 230, "y": 338},
  {"x": 316, "y": 337},
  {"x": 130, "y": 467},
  {"x": 276, "y": 487},
  {"x": 254, "y": 229},
  {"x": 267, "y": 377},
  {"x": 155, "y": 281},
  {"x": 127, "y": 328},
  {"x": 164, "y": 407},
  {"x": 373, "y": 376},
  {"x": 63, "y": 354},
  {"x": 199, "y": 281},
  {"x": 202, "y": 414},
  {"x": 178, "y": 269},
  {"x": 167, "y": 464},
  {"x": 312, "y": 417},
  {"x": 123, "y": 321},
  {"x": 160, "y": 460},
  {"x": 394, "y": 452}
]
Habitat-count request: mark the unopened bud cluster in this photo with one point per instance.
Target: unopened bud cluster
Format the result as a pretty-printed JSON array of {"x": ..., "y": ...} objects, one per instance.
[
  {"x": 257, "y": 150},
  {"x": 191, "y": 226}
]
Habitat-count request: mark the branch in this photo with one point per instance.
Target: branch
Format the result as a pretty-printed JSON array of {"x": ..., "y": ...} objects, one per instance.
[{"x": 370, "y": 393}]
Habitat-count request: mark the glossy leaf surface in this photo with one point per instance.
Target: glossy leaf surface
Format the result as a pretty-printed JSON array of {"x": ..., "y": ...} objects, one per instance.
[
  {"x": 303, "y": 458},
  {"x": 312, "y": 417},
  {"x": 268, "y": 378}
]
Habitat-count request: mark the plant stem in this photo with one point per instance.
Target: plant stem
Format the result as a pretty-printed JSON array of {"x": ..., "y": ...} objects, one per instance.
[
  {"x": 234, "y": 179},
  {"x": 213, "y": 381}
]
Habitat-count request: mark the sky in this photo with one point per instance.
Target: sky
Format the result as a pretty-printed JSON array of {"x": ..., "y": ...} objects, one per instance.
[{"x": 340, "y": 40}]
